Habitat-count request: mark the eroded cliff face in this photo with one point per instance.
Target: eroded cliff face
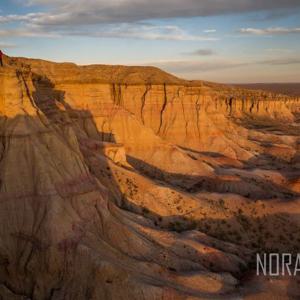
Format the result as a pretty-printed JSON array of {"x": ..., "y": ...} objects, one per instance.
[
  {"x": 129, "y": 183},
  {"x": 194, "y": 115}
]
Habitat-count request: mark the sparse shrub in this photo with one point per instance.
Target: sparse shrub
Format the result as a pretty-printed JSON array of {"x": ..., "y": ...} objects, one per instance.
[{"x": 145, "y": 210}]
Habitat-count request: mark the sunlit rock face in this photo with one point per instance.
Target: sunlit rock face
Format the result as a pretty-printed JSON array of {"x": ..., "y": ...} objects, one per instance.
[{"x": 129, "y": 183}]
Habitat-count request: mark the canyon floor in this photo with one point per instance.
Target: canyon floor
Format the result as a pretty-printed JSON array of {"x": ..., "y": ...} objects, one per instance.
[{"x": 130, "y": 183}]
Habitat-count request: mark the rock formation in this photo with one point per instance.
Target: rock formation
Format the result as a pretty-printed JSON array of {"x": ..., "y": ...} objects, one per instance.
[{"x": 129, "y": 183}]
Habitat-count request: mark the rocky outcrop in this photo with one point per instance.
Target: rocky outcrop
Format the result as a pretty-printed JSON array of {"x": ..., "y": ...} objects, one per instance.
[{"x": 129, "y": 183}]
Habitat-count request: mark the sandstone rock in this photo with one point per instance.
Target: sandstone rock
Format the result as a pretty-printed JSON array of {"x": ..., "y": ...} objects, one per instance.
[{"x": 129, "y": 183}]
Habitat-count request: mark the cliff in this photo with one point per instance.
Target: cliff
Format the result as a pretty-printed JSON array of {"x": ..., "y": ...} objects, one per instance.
[{"x": 128, "y": 183}]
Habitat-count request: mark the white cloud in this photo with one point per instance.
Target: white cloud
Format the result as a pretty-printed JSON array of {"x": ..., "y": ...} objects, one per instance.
[
  {"x": 24, "y": 18},
  {"x": 126, "y": 30},
  {"x": 147, "y": 32},
  {"x": 210, "y": 30},
  {"x": 270, "y": 31}
]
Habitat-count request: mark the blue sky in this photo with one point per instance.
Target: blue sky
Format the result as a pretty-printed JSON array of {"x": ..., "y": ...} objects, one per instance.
[{"x": 216, "y": 40}]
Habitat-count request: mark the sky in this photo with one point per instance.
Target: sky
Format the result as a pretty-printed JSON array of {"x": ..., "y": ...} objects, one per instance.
[{"x": 230, "y": 41}]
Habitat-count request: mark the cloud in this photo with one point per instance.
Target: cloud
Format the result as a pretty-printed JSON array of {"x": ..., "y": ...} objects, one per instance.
[
  {"x": 270, "y": 31},
  {"x": 27, "y": 32},
  {"x": 192, "y": 66},
  {"x": 130, "y": 31},
  {"x": 196, "y": 66},
  {"x": 201, "y": 52},
  {"x": 79, "y": 12},
  {"x": 97, "y": 17},
  {"x": 279, "y": 50},
  {"x": 143, "y": 31},
  {"x": 210, "y": 30},
  {"x": 21, "y": 18},
  {"x": 7, "y": 46},
  {"x": 281, "y": 61},
  {"x": 60, "y": 23}
]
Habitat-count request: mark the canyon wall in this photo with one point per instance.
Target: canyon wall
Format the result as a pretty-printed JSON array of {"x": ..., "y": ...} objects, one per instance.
[
  {"x": 101, "y": 167},
  {"x": 194, "y": 115}
]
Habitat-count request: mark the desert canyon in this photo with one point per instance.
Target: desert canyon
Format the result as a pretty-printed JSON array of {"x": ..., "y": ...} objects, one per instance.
[{"x": 130, "y": 183}]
